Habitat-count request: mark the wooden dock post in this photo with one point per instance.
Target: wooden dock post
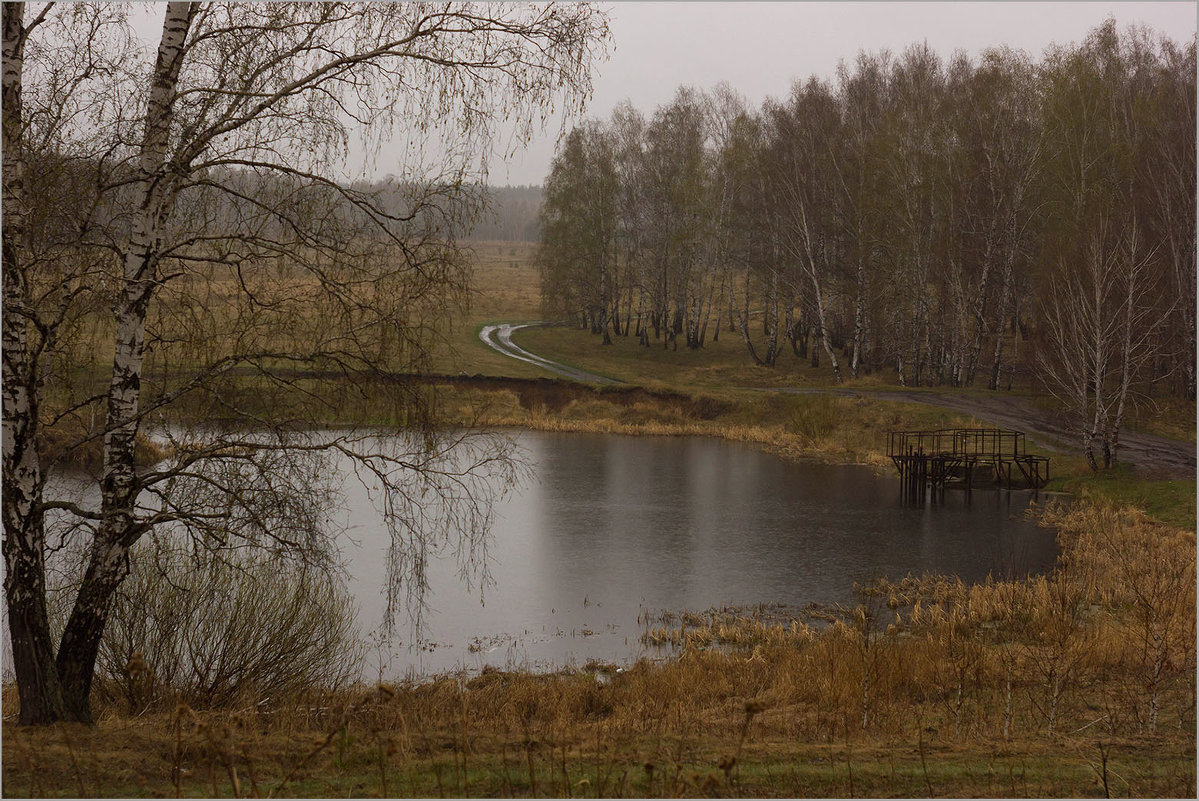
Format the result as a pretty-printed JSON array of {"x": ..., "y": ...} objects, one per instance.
[{"x": 951, "y": 458}]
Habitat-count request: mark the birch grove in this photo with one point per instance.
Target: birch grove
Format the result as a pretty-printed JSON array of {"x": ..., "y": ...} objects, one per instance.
[{"x": 939, "y": 221}]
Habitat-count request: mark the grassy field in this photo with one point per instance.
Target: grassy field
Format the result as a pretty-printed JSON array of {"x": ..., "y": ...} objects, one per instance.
[
  {"x": 454, "y": 761},
  {"x": 505, "y": 288}
]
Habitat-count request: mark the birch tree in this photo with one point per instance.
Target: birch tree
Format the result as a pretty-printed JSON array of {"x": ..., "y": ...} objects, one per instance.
[
  {"x": 1100, "y": 326},
  {"x": 1168, "y": 183},
  {"x": 916, "y": 137},
  {"x": 676, "y": 194},
  {"x": 24, "y": 551},
  {"x": 1106, "y": 302},
  {"x": 999, "y": 131},
  {"x": 627, "y": 127},
  {"x": 579, "y": 225},
  {"x": 804, "y": 151},
  {"x": 248, "y": 286},
  {"x": 752, "y": 242},
  {"x": 863, "y": 96}
]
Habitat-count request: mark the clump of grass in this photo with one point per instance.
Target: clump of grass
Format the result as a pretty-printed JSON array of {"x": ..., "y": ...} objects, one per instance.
[
  {"x": 816, "y": 417},
  {"x": 730, "y": 628},
  {"x": 76, "y": 442}
]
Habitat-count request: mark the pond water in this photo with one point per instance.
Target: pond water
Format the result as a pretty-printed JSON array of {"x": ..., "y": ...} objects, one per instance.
[{"x": 612, "y": 528}]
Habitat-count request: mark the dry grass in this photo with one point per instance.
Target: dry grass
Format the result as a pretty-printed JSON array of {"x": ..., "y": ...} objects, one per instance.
[
  {"x": 506, "y": 285},
  {"x": 77, "y": 442},
  {"x": 1075, "y": 684},
  {"x": 840, "y": 429}
]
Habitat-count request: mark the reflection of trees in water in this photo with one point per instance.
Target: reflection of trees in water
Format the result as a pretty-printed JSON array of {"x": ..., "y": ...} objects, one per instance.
[
  {"x": 689, "y": 520},
  {"x": 221, "y": 530}
]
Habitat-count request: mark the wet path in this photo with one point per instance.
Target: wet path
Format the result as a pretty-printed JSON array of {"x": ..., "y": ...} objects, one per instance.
[{"x": 499, "y": 337}]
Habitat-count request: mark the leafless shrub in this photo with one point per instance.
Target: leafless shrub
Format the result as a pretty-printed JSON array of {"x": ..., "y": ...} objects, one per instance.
[{"x": 225, "y": 628}]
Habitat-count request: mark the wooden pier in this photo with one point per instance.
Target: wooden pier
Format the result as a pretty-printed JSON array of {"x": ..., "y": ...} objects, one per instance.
[{"x": 966, "y": 458}]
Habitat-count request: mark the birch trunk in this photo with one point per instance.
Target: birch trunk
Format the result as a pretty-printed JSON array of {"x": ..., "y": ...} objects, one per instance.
[
  {"x": 720, "y": 304},
  {"x": 812, "y": 268},
  {"x": 24, "y": 534},
  {"x": 118, "y": 529},
  {"x": 742, "y": 315},
  {"x": 604, "y": 301},
  {"x": 1001, "y": 323},
  {"x": 820, "y": 318},
  {"x": 770, "y": 320},
  {"x": 859, "y": 322},
  {"x": 980, "y": 312}
]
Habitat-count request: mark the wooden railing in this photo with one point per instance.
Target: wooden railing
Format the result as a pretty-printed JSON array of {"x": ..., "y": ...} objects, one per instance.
[
  {"x": 992, "y": 442},
  {"x": 964, "y": 457}
]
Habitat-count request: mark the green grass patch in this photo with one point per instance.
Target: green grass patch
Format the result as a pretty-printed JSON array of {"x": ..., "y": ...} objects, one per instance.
[
  {"x": 1171, "y": 502},
  {"x": 720, "y": 363}
]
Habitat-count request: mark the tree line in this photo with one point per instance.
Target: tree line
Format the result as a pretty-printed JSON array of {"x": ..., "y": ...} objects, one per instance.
[
  {"x": 499, "y": 213},
  {"x": 511, "y": 215},
  {"x": 951, "y": 220}
]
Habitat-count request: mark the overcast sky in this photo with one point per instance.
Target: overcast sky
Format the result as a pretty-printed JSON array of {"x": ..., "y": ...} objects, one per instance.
[{"x": 759, "y": 48}]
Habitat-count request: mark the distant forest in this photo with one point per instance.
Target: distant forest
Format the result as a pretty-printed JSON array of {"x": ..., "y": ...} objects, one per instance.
[
  {"x": 511, "y": 214},
  {"x": 948, "y": 220},
  {"x": 506, "y": 213}
]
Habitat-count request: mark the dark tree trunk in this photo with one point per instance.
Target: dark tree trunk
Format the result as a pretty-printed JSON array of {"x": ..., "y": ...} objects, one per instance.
[
  {"x": 24, "y": 549},
  {"x": 794, "y": 335},
  {"x": 38, "y": 686},
  {"x": 80, "y": 645}
]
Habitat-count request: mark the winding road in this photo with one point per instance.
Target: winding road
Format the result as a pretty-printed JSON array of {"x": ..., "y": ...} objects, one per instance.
[
  {"x": 1153, "y": 456},
  {"x": 499, "y": 337}
]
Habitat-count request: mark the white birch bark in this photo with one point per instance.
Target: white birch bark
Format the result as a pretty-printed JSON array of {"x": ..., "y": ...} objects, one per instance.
[
  {"x": 808, "y": 258},
  {"x": 24, "y": 535},
  {"x": 119, "y": 527}
]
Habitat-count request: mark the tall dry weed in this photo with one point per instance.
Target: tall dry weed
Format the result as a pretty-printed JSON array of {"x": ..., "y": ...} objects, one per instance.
[{"x": 1143, "y": 574}]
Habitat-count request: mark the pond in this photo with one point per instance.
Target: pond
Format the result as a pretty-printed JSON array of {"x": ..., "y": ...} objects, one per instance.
[{"x": 612, "y": 528}]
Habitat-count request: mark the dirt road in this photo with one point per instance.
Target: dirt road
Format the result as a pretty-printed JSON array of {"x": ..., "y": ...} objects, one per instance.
[
  {"x": 499, "y": 337},
  {"x": 1153, "y": 456}
]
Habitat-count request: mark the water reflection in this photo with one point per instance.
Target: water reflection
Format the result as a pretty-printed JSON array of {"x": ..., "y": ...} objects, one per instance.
[{"x": 617, "y": 525}]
